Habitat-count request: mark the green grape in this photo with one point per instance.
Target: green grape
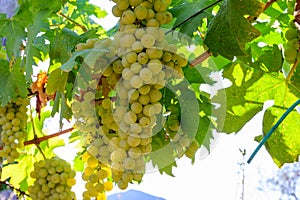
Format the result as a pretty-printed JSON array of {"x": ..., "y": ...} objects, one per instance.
[
  {"x": 294, "y": 43},
  {"x": 141, "y": 12},
  {"x": 122, "y": 184},
  {"x": 161, "y": 17},
  {"x": 128, "y": 17},
  {"x": 169, "y": 17},
  {"x": 122, "y": 4},
  {"x": 149, "y": 110},
  {"x": 291, "y": 33},
  {"x": 136, "y": 81},
  {"x": 150, "y": 14},
  {"x": 160, "y": 5},
  {"x": 147, "y": 4},
  {"x": 152, "y": 23},
  {"x": 137, "y": 47},
  {"x": 135, "y": 3},
  {"x": 146, "y": 74},
  {"x": 147, "y": 40},
  {"x": 80, "y": 47},
  {"x": 127, "y": 40},
  {"x": 144, "y": 121},
  {"x": 131, "y": 57},
  {"x": 144, "y": 99},
  {"x": 155, "y": 66},
  {"x": 118, "y": 155},
  {"x": 139, "y": 33},
  {"x": 136, "y": 107},
  {"x": 130, "y": 117},
  {"x": 143, "y": 58},
  {"x": 135, "y": 67},
  {"x": 154, "y": 53},
  {"x": 129, "y": 163},
  {"x": 145, "y": 89},
  {"x": 133, "y": 140},
  {"x": 290, "y": 53}
]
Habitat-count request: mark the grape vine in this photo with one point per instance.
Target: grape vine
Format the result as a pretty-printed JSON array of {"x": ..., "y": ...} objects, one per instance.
[{"x": 134, "y": 95}]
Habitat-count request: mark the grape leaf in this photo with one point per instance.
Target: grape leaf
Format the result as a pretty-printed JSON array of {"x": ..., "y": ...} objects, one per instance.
[
  {"x": 228, "y": 31},
  {"x": 250, "y": 89},
  {"x": 295, "y": 82},
  {"x": 78, "y": 163},
  {"x": 162, "y": 154},
  {"x": 284, "y": 144},
  {"x": 270, "y": 58},
  {"x": 57, "y": 81},
  {"x": 12, "y": 81},
  {"x": 185, "y": 10},
  {"x": 62, "y": 42}
]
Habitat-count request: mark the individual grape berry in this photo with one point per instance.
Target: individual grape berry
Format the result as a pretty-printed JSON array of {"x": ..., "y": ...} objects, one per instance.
[{"x": 291, "y": 33}]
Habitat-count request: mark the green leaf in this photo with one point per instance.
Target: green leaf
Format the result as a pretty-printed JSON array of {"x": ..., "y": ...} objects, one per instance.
[
  {"x": 228, "y": 31},
  {"x": 245, "y": 98},
  {"x": 39, "y": 20},
  {"x": 74, "y": 137},
  {"x": 284, "y": 144},
  {"x": 269, "y": 58},
  {"x": 197, "y": 74},
  {"x": 90, "y": 57},
  {"x": 57, "y": 81},
  {"x": 272, "y": 60},
  {"x": 14, "y": 29},
  {"x": 78, "y": 163},
  {"x": 55, "y": 142},
  {"x": 12, "y": 81},
  {"x": 162, "y": 154},
  {"x": 185, "y": 10}
]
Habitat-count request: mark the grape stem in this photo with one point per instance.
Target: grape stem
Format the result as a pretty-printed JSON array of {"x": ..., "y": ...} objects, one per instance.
[
  {"x": 71, "y": 20},
  {"x": 13, "y": 188},
  {"x": 35, "y": 135},
  {"x": 289, "y": 76},
  {"x": 266, "y": 137},
  {"x": 47, "y": 137},
  {"x": 200, "y": 59}
]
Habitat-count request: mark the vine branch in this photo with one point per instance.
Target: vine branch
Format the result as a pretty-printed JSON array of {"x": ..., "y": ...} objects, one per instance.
[
  {"x": 47, "y": 137},
  {"x": 289, "y": 76},
  {"x": 35, "y": 135},
  {"x": 13, "y": 188},
  {"x": 73, "y": 21}
]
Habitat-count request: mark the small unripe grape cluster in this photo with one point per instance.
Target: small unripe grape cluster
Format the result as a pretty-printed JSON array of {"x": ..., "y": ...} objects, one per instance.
[
  {"x": 13, "y": 121},
  {"x": 54, "y": 179},
  {"x": 97, "y": 176},
  {"x": 291, "y": 52}
]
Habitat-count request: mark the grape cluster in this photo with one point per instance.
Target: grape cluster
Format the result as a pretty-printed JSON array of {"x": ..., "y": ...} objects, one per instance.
[
  {"x": 96, "y": 174},
  {"x": 13, "y": 121},
  {"x": 291, "y": 52},
  {"x": 117, "y": 111},
  {"x": 179, "y": 139},
  {"x": 54, "y": 179}
]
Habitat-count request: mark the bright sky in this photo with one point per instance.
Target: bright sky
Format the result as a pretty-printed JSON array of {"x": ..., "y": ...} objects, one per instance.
[{"x": 214, "y": 177}]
